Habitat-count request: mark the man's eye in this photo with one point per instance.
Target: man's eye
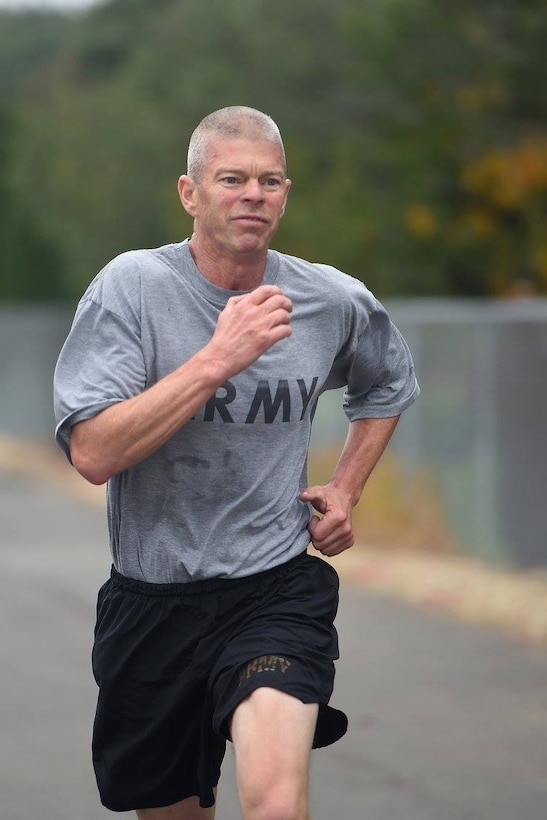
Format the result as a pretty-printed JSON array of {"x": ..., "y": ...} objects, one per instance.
[
  {"x": 230, "y": 180},
  {"x": 273, "y": 182}
]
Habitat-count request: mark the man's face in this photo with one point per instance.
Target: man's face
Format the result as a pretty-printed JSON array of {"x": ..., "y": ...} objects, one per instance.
[{"x": 240, "y": 198}]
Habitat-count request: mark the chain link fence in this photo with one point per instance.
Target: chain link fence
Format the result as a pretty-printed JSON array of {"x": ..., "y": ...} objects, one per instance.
[{"x": 478, "y": 429}]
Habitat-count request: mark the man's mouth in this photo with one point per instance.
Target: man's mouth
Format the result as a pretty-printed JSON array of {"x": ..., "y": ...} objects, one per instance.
[{"x": 252, "y": 218}]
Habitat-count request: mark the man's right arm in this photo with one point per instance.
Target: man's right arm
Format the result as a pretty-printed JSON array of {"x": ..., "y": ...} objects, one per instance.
[{"x": 129, "y": 431}]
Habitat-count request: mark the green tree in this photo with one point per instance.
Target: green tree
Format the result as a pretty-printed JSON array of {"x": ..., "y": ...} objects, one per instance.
[
  {"x": 30, "y": 263},
  {"x": 389, "y": 109}
]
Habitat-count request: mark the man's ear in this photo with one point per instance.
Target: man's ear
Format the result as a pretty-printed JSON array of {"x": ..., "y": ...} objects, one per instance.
[
  {"x": 287, "y": 189},
  {"x": 188, "y": 194}
]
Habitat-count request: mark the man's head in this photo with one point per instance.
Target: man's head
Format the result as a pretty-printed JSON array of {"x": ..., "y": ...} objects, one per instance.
[
  {"x": 236, "y": 187},
  {"x": 234, "y": 122}
]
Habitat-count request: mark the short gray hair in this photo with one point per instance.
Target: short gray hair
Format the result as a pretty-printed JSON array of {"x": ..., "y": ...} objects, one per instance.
[{"x": 235, "y": 121}]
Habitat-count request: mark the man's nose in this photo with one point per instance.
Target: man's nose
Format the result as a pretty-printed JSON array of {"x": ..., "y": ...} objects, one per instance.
[{"x": 253, "y": 190}]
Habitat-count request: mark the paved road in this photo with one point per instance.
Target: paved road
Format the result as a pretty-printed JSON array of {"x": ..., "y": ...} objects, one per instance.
[{"x": 448, "y": 722}]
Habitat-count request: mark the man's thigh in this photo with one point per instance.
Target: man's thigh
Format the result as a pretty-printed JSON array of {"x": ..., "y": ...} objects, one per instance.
[
  {"x": 272, "y": 733},
  {"x": 188, "y": 809}
]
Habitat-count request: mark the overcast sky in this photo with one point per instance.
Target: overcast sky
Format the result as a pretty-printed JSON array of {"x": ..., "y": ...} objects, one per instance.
[{"x": 52, "y": 4}]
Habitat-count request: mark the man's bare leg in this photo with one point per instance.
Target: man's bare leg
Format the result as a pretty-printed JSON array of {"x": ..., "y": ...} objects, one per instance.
[
  {"x": 272, "y": 734},
  {"x": 188, "y": 809}
]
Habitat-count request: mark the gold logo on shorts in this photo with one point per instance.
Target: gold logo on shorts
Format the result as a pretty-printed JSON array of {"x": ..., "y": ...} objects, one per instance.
[{"x": 265, "y": 663}]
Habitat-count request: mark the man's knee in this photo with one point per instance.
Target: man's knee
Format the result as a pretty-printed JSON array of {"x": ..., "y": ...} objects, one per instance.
[{"x": 274, "y": 798}]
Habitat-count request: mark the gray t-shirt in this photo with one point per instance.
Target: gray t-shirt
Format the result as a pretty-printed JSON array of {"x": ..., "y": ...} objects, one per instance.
[{"x": 220, "y": 498}]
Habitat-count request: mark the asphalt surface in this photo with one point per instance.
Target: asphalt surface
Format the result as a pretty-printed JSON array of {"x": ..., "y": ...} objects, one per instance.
[{"x": 447, "y": 721}]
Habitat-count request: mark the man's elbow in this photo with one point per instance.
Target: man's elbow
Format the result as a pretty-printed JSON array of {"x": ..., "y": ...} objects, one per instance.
[
  {"x": 85, "y": 460},
  {"x": 88, "y": 468}
]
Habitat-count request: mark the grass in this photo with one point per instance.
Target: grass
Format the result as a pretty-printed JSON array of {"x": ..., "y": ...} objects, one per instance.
[{"x": 396, "y": 511}]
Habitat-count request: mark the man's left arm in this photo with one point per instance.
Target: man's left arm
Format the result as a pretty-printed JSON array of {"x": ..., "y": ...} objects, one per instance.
[{"x": 367, "y": 439}]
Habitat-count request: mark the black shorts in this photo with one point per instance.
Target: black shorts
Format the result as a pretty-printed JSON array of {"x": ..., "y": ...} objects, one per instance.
[{"x": 172, "y": 662}]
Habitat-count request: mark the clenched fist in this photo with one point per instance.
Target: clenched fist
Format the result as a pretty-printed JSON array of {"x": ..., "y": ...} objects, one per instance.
[{"x": 249, "y": 325}]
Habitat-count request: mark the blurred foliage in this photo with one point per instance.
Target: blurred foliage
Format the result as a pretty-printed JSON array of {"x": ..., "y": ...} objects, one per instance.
[
  {"x": 416, "y": 134},
  {"x": 30, "y": 263}
]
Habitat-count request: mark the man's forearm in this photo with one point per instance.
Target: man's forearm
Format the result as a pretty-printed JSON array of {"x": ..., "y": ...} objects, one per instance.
[
  {"x": 367, "y": 439},
  {"x": 129, "y": 431},
  {"x": 365, "y": 443}
]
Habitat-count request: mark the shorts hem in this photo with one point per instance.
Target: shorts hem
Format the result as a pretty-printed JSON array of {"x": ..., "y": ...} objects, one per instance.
[
  {"x": 205, "y": 802},
  {"x": 332, "y": 724}
]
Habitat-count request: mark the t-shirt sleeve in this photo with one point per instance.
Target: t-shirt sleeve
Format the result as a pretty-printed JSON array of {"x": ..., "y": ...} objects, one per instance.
[
  {"x": 100, "y": 364},
  {"x": 381, "y": 381}
]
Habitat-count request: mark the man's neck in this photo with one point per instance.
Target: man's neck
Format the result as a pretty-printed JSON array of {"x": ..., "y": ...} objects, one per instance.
[{"x": 226, "y": 271}]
